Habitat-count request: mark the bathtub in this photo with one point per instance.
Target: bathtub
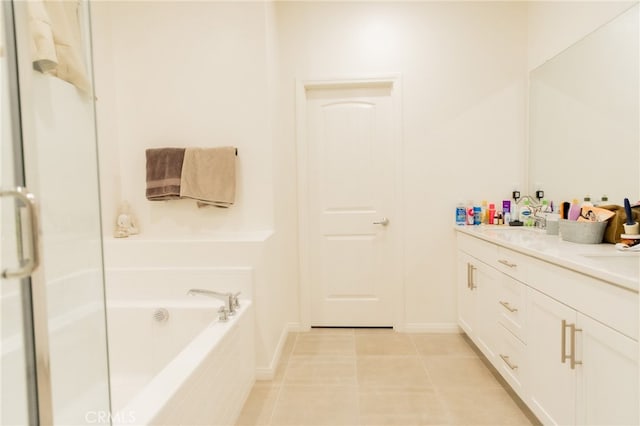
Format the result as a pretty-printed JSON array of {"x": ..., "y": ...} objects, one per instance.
[{"x": 188, "y": 369}]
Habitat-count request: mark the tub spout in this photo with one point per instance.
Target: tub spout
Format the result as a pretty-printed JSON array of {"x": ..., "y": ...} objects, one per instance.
[{"x": 228, "y": 298}]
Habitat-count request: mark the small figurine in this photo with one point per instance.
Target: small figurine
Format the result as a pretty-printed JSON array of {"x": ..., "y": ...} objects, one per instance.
[{"x": 125, "y": 222}]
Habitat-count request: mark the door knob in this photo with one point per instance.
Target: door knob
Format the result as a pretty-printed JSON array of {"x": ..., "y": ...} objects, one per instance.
[{"x": 384, "y": 222}]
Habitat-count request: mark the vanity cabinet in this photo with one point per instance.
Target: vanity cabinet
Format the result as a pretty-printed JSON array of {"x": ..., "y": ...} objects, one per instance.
[
  {"x": 477, "y": 315},
  {"x": 552, "y": 382},
  {"x": 564, "y": 341},
  {"x": 588, "y": 371}
]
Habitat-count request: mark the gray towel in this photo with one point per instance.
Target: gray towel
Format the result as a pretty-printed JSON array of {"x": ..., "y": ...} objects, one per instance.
[{"x": 164, "y": 168}]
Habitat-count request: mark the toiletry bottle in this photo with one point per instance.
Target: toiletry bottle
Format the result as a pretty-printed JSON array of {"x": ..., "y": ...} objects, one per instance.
[
  {"x": 477, "y": 215},
  {"x": 574, "y": 210},
  {"x": 603, "y": 201},
  {"x": 492, "y": 213},
  {"x": 545, "y": 207},
  {"x": 470, "y": 213},
  {"x": 586, "y": 202},
  {"x": 506, "y": 211},
  {"x": 484, "y": 217},
  {"x": 515, "y": 211},
  {"x": 461, "y": 214},
  {"x": 525, "y": 213}
]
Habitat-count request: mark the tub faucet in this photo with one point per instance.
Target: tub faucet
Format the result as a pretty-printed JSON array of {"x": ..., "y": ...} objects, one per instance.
[{"x": 228, "y": 298}]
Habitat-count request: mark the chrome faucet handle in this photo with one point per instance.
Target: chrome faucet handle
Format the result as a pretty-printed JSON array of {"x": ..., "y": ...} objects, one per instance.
[
  {"x": 235, "y": 302},
  {"x": 540, "y": 221},
  {"x": 223, "y": 313}
]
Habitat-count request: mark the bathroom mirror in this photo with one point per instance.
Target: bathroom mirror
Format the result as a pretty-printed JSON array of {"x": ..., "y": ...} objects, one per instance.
[{"x": 584, "y": 117}]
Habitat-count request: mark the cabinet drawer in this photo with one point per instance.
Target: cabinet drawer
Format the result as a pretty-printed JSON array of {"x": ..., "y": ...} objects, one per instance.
[
  {"x": 512, "y": 263},
  {"x": 511, "y": 360},
  {"x": 614, "y": 306},
  {"x": 481, "y": 250},
  {"x": 511, "y": 300}
]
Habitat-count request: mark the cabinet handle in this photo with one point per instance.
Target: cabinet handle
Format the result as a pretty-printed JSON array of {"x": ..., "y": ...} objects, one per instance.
[
  {"x": 574, "y": 330},
  {"x": 470, "y": 269},
  {"x": 563, "y": 342},
  {"x": 508, "y": 307},
  {"x": 505, "y": 358},
  {"x": 507, "y": 263},
  {"x": 572, "y": 354}
]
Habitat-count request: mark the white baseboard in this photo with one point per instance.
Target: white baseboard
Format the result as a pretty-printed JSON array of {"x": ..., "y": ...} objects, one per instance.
[
  {"x": 432, "y": 327},
  {"x": 268, "y": 373}
]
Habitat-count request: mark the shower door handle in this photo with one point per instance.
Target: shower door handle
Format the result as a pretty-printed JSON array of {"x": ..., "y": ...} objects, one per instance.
[{"x": 31, "y": 260}]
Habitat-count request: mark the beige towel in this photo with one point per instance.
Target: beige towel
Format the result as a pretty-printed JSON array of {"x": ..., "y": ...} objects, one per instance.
[
  {"x": 43, "y": 49},
  {"x": 209, "y": 176},
  {"x": 164, "y": 168},
  {"x": 56, "y": 43}
]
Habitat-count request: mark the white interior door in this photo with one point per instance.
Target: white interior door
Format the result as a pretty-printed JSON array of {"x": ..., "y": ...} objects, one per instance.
[{"x": 350, "y": 134}]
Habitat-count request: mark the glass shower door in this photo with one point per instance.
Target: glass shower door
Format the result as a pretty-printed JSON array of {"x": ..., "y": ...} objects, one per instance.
[
  {"x": 57, "y": 161},
  {"x": 25, "y": 396}
]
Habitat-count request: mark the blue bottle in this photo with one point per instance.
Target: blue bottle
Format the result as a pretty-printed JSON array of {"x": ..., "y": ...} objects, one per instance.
[
  {"x": 461, "y": 214},
  {"x": 477, "y": 215}
]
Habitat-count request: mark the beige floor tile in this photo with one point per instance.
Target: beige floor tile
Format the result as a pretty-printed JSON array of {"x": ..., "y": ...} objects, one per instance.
[
  {"x": 325, "y": 369},
  {"x": 324, "y": 344},
  {"x": 331, "y": 330},
  {"x": 482, "y": 407},
  {"x": 450, "y": 372},
  {"x": 399, "y": 408},
  {"x": 302, "y": 405},
  {"x": 374, "y": 330},
  {"x": 259, "y": 406},
  {"x": 452, "y": 345},
  {"x": 384, "y": 344},
  {"x": 397, "y": 372}
]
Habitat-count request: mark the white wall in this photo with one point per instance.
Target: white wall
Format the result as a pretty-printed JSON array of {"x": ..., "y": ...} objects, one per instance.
[
  {"x": 183, "y": 74},
  {"x": 555, "y": 25},
  {"x": 200, "y": 73},
  {"x": 463, "y": 74}
]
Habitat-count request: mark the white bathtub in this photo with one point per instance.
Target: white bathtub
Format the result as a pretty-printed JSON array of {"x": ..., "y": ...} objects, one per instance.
[{"x": 191, "y": 369}]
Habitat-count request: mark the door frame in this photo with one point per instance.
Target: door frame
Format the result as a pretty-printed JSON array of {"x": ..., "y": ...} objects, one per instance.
[{"x": 304, "y": 241}]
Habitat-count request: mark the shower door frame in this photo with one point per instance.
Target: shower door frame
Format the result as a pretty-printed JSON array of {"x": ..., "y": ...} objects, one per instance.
[{"x": 33, "y": 292}]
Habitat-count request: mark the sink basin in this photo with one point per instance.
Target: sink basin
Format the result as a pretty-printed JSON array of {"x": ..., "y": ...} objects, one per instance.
[{"x": 525, "y": 236}]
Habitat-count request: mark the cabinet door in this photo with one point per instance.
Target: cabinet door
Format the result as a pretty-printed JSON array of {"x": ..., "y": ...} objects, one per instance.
[
  {"x": 477, "y": 312},
  {"x": 552, "y": 382},
  {"x": 607, "y": 377},
  {"x": 466, "y": 294},
  {"x": 485, "y": 279}
]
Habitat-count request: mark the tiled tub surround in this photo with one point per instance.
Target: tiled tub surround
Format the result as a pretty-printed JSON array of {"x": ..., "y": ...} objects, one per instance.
[
  {"x": 190, "y": 368},
  {"x": 558, "y": 320},
  {"x": 193, "y": 369},
  {"x": 380, "y": 377}
]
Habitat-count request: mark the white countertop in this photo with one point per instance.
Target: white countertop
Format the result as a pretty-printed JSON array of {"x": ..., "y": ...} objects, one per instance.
[{"x": 601, "y": 261}]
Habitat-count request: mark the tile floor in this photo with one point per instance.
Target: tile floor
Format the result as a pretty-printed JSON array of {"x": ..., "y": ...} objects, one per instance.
[{"x": 373, "y": 377}]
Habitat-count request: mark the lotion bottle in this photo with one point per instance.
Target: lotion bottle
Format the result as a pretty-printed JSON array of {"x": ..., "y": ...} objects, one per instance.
[
  {"x": 574, "y": 210},
  {"x": 525, "y": 213},
  {"x": 492, "y": 213}
]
